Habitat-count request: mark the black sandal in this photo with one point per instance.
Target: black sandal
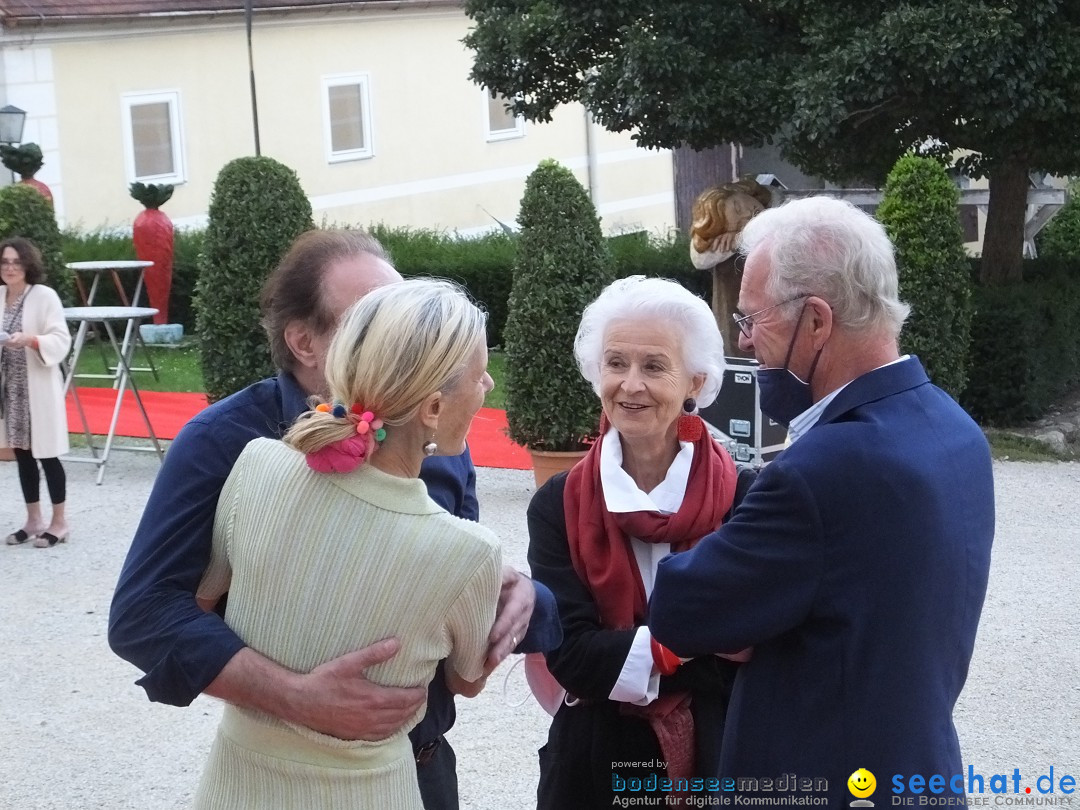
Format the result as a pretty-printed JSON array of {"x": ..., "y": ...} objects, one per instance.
[
  {"x": 48, "y": 540},
  {"x": 17, "y": 538}
]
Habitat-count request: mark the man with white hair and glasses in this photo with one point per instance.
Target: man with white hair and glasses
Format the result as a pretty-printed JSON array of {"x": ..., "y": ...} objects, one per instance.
[{"x": 857, "y": 563}]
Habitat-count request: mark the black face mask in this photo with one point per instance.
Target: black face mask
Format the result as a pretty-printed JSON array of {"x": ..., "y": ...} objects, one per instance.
[{"x": 783, "y": 395}]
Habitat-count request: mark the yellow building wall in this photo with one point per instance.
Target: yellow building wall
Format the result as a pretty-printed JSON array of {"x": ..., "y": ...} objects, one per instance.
[
  {"x": 93, "y": 75},
  {"x": 432, "y": 167}
]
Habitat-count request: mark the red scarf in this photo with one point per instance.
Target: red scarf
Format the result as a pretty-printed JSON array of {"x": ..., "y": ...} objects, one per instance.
[{"x": 600, "y": 540}]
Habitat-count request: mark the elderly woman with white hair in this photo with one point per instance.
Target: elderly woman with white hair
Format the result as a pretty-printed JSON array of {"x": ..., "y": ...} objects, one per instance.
[
  {"x": 653, "y": 483},
  {"x": 328, "y": 542}
]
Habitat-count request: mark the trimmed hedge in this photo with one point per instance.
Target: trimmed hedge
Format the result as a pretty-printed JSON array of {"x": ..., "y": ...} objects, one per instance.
[
  {"x": 646, "y": 254},
  {"x": 25, "y": 212},
  {"x": 257, "y": 210},
  {"x": 1025, "y": 344},
  {"x": 484, "y": 266}
]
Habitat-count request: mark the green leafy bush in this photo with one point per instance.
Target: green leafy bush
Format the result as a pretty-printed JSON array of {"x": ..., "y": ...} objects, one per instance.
[
  {"x": 920, "y": 213},
  {"x": 257, "y": 209},
  {"x": 24, "y": 212},
  {"x": 1025, "y": 350},
  {"x": 562, "y": 265},
  {"x": 1061, "y": 236}
]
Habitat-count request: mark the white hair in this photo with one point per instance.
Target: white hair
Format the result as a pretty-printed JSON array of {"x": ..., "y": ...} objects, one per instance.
[
  {"x": 827, "y": 247},
  {"x": 638, "y": 297}
]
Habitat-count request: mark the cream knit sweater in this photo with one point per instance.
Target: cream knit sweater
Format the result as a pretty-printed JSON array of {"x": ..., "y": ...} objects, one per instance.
[{"x": 317, "y": 565}]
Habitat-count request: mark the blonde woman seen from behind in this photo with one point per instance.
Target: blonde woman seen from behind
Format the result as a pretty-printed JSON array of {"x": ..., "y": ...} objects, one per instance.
[{"x": 328, "y": 542}]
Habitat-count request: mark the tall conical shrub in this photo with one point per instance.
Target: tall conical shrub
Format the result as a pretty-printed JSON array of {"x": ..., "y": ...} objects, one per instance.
[
  {"x": 256, "y": 211},
  {"x": 920, "y": 212},
  {"x": 562, "y": 264}
]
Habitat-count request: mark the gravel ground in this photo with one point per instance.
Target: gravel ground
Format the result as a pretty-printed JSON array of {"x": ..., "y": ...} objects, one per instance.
[{"x": 79, "y": 734}]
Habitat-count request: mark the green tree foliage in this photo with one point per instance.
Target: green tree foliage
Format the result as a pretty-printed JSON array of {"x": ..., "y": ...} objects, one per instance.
[
  {"x": 920, "y": 214},
  {"x": 844, "y": 88},
  {"x": 1060, "y": 239},
  {"x": 562, "y": 265},
  {"x": 256, "y": 211},
  {"x": 24, "y": 212},
  {"x": 1026, "y": 344}
]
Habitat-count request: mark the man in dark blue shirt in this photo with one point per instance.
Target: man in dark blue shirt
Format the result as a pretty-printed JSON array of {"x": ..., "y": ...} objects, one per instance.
[{"x": 155, "y": 622}]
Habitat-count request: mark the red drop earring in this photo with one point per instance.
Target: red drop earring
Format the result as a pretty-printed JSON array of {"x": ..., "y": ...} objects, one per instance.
[{"x": 690, "y": 424}]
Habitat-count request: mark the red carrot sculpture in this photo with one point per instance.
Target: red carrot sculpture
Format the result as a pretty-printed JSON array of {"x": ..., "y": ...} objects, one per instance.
[{"x": 152, "y": 234}]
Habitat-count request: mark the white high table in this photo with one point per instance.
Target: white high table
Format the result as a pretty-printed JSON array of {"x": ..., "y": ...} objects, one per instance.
[
  {"x": 115, "y": 268},
  {"x": 108, "y": 317}
]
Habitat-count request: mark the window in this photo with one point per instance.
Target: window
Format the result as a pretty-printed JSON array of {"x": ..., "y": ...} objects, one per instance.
[
  {"x": 501, "y": 123},
  {"x": 347, "y": 117},
  {"x": 153, "y": 145}
]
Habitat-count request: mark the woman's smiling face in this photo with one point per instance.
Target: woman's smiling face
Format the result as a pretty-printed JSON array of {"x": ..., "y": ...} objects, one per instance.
[{"x": 643, "y": 377}]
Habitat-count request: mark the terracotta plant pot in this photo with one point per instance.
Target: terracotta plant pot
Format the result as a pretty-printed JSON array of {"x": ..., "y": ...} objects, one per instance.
[{"x": 548, "y": 462}]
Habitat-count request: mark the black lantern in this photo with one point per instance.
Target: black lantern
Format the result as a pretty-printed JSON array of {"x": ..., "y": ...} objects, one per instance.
[{"x": 12, "y": 121}]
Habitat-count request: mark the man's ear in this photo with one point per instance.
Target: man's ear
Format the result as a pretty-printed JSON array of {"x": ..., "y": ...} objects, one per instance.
[
  {"x": 298, "y": 339},
  {"x": 822, "y": 320},
  {"x": 429, "y": 411}
]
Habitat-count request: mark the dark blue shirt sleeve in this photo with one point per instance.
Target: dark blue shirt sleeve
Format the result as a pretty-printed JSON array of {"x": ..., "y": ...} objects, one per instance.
[
  {"x": 545, "y": 629},
  {"x": 451, "y": 483},
  {"x": 154, "y": 621}
]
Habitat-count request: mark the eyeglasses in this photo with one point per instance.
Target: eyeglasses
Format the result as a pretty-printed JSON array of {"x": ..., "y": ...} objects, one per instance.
[
  {"x": 746, "y": 322},
  {"x": 11, "y": 263}
]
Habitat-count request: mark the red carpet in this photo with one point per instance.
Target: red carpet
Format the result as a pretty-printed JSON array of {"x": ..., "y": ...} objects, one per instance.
[{"x": 170, "y": 411}]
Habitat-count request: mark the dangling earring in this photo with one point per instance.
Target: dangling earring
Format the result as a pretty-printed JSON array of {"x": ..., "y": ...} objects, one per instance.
[
  {"x": 431, "y": 448},
  {"x": 690, "y": 425}
]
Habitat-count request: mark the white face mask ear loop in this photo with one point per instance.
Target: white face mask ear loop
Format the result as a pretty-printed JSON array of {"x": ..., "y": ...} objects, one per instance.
[{"x": 506, "y": 685}]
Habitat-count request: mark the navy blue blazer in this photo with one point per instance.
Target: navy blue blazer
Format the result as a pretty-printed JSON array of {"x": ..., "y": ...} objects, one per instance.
[{"x": 856, "y": 568}]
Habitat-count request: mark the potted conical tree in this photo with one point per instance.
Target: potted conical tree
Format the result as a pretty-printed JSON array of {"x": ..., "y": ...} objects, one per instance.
[
  {"x": 25, "y": 160},
  {"x": 562, "y": 264},
  {"x": 152, "y": 234}
]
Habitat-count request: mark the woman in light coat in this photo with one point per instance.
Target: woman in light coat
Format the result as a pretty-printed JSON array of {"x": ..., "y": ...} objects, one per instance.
[{"x": 34, "y": 339}]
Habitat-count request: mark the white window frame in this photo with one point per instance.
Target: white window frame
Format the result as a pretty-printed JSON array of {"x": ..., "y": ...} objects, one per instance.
[
  {"x": 491, "y": 135},
  {"x": 338, "y": 80},
  {"x": 172, "y": 98}
]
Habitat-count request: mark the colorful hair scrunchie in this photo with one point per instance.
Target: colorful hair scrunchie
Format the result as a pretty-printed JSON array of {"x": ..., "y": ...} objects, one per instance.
[{"x": 345, "y": 455}]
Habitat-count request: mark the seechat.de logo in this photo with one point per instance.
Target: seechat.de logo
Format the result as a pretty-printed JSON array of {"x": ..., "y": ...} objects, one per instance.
[{"x": 862, "y": 785}]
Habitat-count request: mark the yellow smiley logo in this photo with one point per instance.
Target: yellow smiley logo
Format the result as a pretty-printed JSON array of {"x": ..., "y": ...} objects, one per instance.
[{"x": 861, "y": 783}]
